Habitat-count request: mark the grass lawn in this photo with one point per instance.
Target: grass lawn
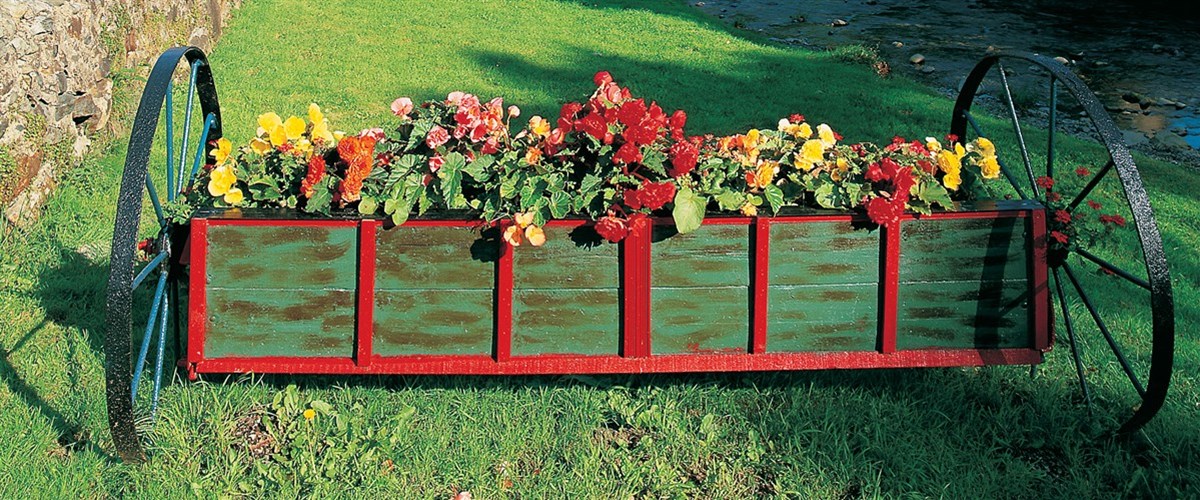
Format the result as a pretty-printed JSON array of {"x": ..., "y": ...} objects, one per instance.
[{"x": 921, "y": 433}]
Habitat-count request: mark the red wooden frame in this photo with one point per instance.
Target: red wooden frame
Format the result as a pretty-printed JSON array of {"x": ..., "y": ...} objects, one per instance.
[{"x": 634, "y": 354}]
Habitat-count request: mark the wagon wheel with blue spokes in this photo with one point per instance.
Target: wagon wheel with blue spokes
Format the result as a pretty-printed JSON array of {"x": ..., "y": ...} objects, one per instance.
[
  {"x": 149, "y": 273},
  {"x": 1111, "y": 282}
]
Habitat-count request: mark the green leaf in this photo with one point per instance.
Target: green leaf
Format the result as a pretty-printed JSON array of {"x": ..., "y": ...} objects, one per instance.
[
  {"x": 400, "y": 217},
  {"x": 452, "y": 187},
  {"x": 933, "y": 192},
  {"x": 774, "y": 197},
  {"x": 367, "y": 206},
  {"x": 390, "y": 205},
  {"x": 653, "y": 160},
  {"x": 689, "y": 210},
  {"x": 590, "y": 182},
  {"x": 730, "y": 200},
  {"x": 560, "y": 204},
  {"x": 825, "y": 196},
  {"x": 479, "y": 170}
]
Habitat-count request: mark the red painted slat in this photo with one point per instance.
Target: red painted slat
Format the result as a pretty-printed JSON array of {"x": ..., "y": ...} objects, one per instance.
[
  {"x": 759, "y": 280},
  {"x": 284, "y": 222},
  {"x": 1039, "y": 285},
  {"x": 679, "y": 363},
  {"x": 197, "y": 294},
  {"x": 504, "y": 299},
  {"x": 366, "y": 292},
  {"x": 889, "y": 294},
  {"x": 635, "y": 284}
]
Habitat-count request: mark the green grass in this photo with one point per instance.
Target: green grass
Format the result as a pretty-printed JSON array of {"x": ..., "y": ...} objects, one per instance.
[{"x": 917, "y": 433}]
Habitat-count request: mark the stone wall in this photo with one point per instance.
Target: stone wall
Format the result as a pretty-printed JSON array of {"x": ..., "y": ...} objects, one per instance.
[{"x": 58, "y": 63}]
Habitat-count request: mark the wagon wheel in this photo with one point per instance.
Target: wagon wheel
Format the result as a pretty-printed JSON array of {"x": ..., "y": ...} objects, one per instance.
[
  {"x": 1097, "y": 272},
  {"x": 157, "y": 279}
]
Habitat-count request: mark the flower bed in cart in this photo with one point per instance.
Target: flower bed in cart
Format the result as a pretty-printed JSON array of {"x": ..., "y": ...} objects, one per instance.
[{"x": 603, "y": 240}]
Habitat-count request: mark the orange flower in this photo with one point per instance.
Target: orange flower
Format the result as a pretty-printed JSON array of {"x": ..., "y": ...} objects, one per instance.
[
  {"x": 533, "y": 156},
  {"x": 357, "y": 152},
  {"x": 512, "y": 235},
  {"x": 535, "y": 235}
]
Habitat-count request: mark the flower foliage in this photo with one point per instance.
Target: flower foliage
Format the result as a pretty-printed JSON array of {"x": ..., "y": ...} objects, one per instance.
[{"x": 613, "y": 157}]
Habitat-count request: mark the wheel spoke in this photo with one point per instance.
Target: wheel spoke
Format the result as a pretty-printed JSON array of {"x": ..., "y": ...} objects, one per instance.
[
  {"x": 1090, "y": 186},
  {"x": 1050, "y": 137},
  {"x": 137, "y": 280},
  {"x": 1012, "y": 109},
  {"x": 158, "y": 361},
  {"x": 158, "y": 211},
  {"x": 1003, "y": 168},
  {"x": 1112, "y": 343},
  {"x": 200, "y": 151},
  {"x": 1062, "y": 302},
  {"x": 170, "y": 112},
  {"x": 141, "y": 359},
  {"x": 1113, "y": 269},
  {"x": 187, "y": 119}
]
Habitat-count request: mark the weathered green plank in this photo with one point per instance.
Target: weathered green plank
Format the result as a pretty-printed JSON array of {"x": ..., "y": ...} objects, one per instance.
[
  {"x": 303, "y": 323},
  {"x": 562, "y": 263},
  {"x": 699, "y": 320},
  {"x": 812, "y": 253},
  {"x": 566, "y": 321},
  {"x": 282, "y": 257},
  {"x": 963, "y": 250},
  {"x": 712, "y": 256},
  {"x": 822, "y": 318},
  {"x": 963, "y": 315},
  {"x": 449, "y": 258},
  {"x": 433, "y": 321}
]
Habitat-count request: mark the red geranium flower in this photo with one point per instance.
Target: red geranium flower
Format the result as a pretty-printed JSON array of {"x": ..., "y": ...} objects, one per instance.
[
  {"x": 628, "y": 153},
  {"x": 1062, "y": 238},
  {"x": 1083, "y": 172},
  {"x": 1062, "y": 216},
  {"x": 884, "y": 212},
  {"x": 683, "y": 158},
  {"x": 1113, "y": 219},
  {"x": 1093, "y": 205},
  {"x": 613, "y": 229},
  {"x": 675, "y": 123},
  {"x": 1045, "y": 182}
]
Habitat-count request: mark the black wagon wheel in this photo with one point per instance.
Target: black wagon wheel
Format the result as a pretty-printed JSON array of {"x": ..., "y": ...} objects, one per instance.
[
  {"x": 1106, "y": 254},
  {"x": 149, "y": 272}
]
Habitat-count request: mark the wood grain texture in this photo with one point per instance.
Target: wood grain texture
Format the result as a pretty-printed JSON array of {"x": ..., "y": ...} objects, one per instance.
[
  {"x": 566, "y": 321},
  {"x": 258, "y": 323},
  {"x": 431, "y": 321},
  {"x": 445, "y": 258},
  {"x": 293, "y": 258},
  {"x": 963, "y": 250},
  {"x": 712, "y": 256},
  {"x": 813, "y": 253},
  {"x": 963, "y": 315},
  {"x": 699, "y": 320},
  {"x": 823, "y": 318},
  {"x": 563, "y": 264}
]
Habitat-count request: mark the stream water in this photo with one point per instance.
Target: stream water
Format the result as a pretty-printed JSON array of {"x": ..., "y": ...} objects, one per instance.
[{"x": 1142, "y": 59}]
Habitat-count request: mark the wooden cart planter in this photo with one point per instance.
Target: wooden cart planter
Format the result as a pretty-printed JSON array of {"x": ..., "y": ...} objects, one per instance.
[{"x": 276, "y": 292}]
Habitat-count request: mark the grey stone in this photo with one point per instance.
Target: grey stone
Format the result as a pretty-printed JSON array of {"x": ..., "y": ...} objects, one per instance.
[
  {"x": 1062, "y": 60},
  {"x": 917, "y": 59},
  {"x": 838, "y": 23},
  {"x": 1170, "y": 140}
]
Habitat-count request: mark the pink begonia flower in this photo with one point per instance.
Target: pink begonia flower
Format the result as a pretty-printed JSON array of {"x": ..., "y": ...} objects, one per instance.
[
  {"x": 402, "y": 106},
  {"x": 437, "y": 136},
  {"x": 455, "y": 98},
  {"x": 514, "y": 111},
  {"x": 374, "y": 133},
  {"x": 435, "y": 163}
]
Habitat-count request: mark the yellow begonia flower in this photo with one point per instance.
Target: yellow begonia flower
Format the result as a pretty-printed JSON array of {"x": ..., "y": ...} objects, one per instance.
[
  {"x": 811, "y": 153},
  {"x": 951, "y": 164},
  {"x": 843, "y": 166},
  {"x": 338, "y": 135},
  {"x": 224, "y": 148},
  {"x": 320, "y": 131},
  {"x": 765, "y": 173},
  {"x": 234, "y": 196},
  {"x": 959, "y": 151},
  {"x": 221, "y": 180},
  {"x": 985, "y": 147},
  {"x": 932, "y": 145},
  {"x": 751, "y": 141},
  {"x": 314, "y": 114},
  {"x": 828, "y": 139},
  {"x": 804, "y": 131},
  {"x": 272, "y": 125},
  {"x": 278, "y": 136},
  {"x": 523, "y": 219},
  {"x": 260, "y": 146},
  {"x": 294, "y": 127},
  {"x": 952, "y": 181},
  {"x": 304, "y": 147},
  {"x": 990, "y": 167},
  {"x": 749, "y": 210},
  {"x": 540, "y": 126}
]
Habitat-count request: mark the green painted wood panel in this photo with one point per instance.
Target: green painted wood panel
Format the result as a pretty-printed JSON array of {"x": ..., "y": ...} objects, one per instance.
[
  {"x": 699, "y": 320},
  {"x": 963, "y": 315},
  {"x": 430, "y": 321},
  {"x": 712, "y": 256},
  {"x": 444, "y": 258},
  {"x": 255, "y": 323},
  {"x": 963, "y": 250},
  {"x": 822, "y": 318},
  {"x": 283, "y": 257},
  {"x": 813, "y": 253},
  {"x": 700, "y": 290},
  {"x": 562, "y": 263},
  {"x": 566, "y": 297},
  {"x": 566, "y": 322}
]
